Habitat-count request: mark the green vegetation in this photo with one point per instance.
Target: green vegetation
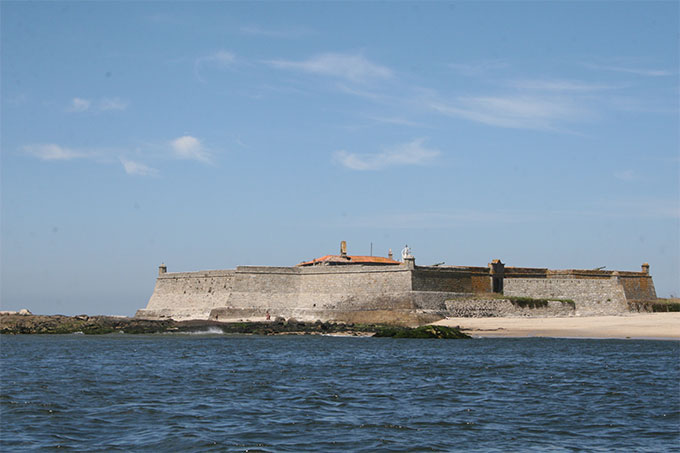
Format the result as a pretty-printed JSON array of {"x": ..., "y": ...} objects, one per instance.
[
  {"x": 522, "y": 302},
  {"x": 661, "y": 307},
  {"x": 656, "y": 306},
  {"x": 528, "y": 302},
  {"x": 440, "y": 332}
]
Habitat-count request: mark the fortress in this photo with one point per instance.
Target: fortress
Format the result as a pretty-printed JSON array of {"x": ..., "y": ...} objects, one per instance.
[{"x": 369, "y": 289}]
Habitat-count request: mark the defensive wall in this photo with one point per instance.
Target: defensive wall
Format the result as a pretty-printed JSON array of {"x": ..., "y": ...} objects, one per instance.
[{"x": 399, "y": 294}]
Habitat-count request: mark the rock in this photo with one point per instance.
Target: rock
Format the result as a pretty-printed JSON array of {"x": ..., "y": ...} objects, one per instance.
[
  {"x": 82, "y": 317},
  {"x": 428, "y": 331},
  {"x": 24, "y": 312}
]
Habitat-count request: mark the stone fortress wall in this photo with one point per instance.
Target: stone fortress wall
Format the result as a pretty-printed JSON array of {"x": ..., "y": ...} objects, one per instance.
[{"x": 398, "y": 294}]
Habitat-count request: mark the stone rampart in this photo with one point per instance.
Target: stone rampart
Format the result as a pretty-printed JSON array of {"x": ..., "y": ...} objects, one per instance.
[
  {"x": 451, "y": 279},
  {"x": 637, "y": 287},
  {"x": 492, "y": 307},
  {"x": 595, "y": 292},
  {"x": 592, "y": 296},
  {"x": 413, "y": 294},
  {"x": 189, "y": 295}
]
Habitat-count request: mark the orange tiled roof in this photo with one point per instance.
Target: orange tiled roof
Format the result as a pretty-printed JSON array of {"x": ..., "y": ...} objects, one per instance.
[{"x": 350, "y": 259}]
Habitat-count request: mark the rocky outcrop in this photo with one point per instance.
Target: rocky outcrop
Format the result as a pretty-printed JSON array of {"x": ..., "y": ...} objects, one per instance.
[{"x": 58, "y": 324}]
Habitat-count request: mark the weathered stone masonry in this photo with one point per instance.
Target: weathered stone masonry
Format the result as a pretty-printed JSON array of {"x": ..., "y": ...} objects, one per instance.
[{"x": 395, "y": 293}]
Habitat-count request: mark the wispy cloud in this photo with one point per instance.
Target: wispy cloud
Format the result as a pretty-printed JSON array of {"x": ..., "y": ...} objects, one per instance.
[
  {"x": 352, "y": 67},
  {"x": 612, "y": 209},
  {"x": 191, "y": 148},
  {"x": 626, "y": 175},
  {"x": 395, "y": 120},
  {"x": 136, "y": 168},
  {"x": 112, "y": 104},
  {"x": 648, "y": 72},
  {"x": 559, "y": 85},
  {"x": 413, "y": 153},
  {"x": 164, "y": 18},
  {"x": 440, "y": 219},
  {"x": 255, "y": 30},
  {"x": 644, "y": 208},
  {"x": 51, "y": 151},
  {"x": 478, "y": 68},
  {"x": 514, "y": 111},
  {"x": 220, "y": 59},
  {"x": 103, "y": 105},
  {"x": 366, "y": 94},
  {"x": 536, "y": 104},
  {"x": 79, "y": 105},
  {"x": 185, "y": 147}
]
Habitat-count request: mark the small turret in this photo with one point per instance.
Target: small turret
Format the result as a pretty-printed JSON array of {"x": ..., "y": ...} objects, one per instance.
[
  {"x": 497, "y": 272},
  {"x": 162, "y": 269}
]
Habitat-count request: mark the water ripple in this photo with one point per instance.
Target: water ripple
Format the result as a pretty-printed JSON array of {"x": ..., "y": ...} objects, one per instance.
[{"x": 310, "y": 393}]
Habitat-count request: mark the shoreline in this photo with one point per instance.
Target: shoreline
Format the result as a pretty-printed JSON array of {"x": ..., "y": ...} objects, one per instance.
[
  {"x": 641, "y": 326},
  {"x": 22, "y": 324},
  {"x": 649, "y": 326}
]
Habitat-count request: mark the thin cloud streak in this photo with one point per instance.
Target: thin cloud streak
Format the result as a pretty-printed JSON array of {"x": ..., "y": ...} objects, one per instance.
[
  {"x": 548, "y": 104},
  {"x": 107, "y": 104},
  {"x": 254, "y": 30},
  {"x": 519, "y": 112},
  {"x": 413, "y": 153},
  {"x": 52, "y": 151},
  {"x": 220, "y": 59},
  {"x": 138, "y": 169},
  {"x": 478, "y": 68},
  {"x": 646, "y": 209},
  {"x": 632, "y": 70},
  {"x": 559, "y": 85},
  {"x": 395, "y": 120},
  {"x": 432, "y": 219},
  {"x": 626, "y": 175},
  {"x": 355, "y": 68},
  {"x": 79, "y": 105}
]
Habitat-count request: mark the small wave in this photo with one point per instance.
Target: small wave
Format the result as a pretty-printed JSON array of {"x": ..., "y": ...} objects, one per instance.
[{"x": 208, "y": 331}]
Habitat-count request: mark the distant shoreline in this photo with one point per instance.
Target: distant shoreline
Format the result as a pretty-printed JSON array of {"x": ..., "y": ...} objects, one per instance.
[
  {"x": 644, "y": 326},
  {"x": 649, "y": 326}
]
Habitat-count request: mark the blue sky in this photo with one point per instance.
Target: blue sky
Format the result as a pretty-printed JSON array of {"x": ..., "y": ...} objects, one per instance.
[{"x": 210, "y": 134}]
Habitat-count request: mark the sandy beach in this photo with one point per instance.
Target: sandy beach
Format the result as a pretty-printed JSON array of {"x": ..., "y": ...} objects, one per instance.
[{"x": 643, "y": 326}]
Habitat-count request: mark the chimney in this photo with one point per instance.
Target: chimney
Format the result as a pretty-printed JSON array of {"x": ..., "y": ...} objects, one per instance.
[
  {"x": 645, "y": 268},
  {"x": 343, "y": 249},
  {"x": 162, "y": 269},
  {"x": 389, "y": 254}
]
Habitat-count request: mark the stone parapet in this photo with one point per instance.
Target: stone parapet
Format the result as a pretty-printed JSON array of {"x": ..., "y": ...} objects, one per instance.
[{"x": 335, "y": 292}]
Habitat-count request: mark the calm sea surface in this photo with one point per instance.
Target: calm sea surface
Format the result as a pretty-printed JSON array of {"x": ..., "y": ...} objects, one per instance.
[{"x": 311, "y": 393}]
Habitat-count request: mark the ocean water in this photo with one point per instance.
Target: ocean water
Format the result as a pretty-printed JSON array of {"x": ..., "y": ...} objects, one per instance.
[{"x": 313, "y": 393}]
